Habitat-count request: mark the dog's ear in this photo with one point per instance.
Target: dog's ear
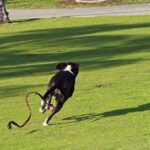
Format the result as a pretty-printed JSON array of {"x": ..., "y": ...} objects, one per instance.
[
  {"x": 74, "y": 65},
  {"x": 61, "y": 66},
  {"x": 77, "y": 65},
  {"x": 75, "y": 68}
]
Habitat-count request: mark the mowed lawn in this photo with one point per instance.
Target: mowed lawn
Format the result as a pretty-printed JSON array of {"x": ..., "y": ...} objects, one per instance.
[
  {"x": 110, "y": 109},
  {"x": 65, "y": 3}
]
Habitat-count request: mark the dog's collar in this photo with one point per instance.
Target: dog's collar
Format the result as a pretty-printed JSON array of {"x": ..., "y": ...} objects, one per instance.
[{"x": 70, "y": 72}]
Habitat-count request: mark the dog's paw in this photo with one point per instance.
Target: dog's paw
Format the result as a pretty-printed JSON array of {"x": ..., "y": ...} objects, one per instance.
[
  {"x": 51, "y": 108},
  {"x": 45, "y": 124},
  {"x": 42, "y": 110}
]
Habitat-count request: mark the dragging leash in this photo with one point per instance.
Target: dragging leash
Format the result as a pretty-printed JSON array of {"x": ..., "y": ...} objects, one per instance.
[{"x": 9, "y": 125}]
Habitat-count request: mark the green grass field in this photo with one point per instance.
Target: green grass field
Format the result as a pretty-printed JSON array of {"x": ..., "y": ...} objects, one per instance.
[
  {"x": 110, "y": 108},
  {"x": 60, "y": 4}
]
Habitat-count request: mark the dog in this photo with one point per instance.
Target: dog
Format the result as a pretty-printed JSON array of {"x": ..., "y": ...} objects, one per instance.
[{"x": 61, "y": 86}]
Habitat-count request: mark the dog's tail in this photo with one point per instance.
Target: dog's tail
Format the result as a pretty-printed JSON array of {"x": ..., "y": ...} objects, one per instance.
[{"x": 9, "y": 125}]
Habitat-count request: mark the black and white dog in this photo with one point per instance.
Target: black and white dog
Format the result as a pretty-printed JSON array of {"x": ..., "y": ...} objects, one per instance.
[{"x": 61, "y": 86}]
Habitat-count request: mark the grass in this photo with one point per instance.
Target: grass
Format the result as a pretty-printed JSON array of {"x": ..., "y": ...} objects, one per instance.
[
  {"x": 33, "y": 4},
  {"x": 110, "y": 107},
  {"x": 59, "y": 4}
]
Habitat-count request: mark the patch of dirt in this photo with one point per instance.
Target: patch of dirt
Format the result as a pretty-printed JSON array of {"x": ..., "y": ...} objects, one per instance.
[
  {"x": 73, "y": 2},
  {"x": 68, "y": 2},
  {"x": 111, "y": 1}
]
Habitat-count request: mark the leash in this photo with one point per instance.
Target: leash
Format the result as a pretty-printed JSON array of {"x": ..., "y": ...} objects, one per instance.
[{"x": 9, "y": 125}]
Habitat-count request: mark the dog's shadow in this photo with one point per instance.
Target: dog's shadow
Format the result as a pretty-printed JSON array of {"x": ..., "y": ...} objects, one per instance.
[
  {"x": 97, "y": 116},
  {"x": 113, "y": 113}
]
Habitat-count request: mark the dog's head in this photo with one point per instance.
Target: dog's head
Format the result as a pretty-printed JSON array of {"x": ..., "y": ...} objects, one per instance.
[{"x": 71, "y": 67}]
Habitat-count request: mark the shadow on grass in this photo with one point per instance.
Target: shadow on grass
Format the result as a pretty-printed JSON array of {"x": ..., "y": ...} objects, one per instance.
[
  {"x": 24, "y": 20},
  {"x": 16, "y": 90},
  {"x": 38, "y": 51},
  {"x": 113, "y": 113},
  {"x": 33, "y": 131}
]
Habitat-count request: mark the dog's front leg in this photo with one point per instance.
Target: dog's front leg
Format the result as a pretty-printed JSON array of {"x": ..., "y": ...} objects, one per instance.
[
  {"x": 56, "y": 109},
  {"x": 42, "y": 107}
]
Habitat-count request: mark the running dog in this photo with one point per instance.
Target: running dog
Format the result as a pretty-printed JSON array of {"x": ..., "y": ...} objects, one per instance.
[{"x": 61, "y": 86}]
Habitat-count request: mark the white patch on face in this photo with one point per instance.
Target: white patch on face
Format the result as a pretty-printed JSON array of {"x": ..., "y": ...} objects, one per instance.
[
  {"x": 68, "y": 68},
  {"x": 45, "y": 123}
]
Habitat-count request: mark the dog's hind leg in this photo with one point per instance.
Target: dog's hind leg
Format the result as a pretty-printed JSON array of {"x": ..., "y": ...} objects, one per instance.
[
  {"x": 56, "y": 110},
  {"x": 45, "y": 102},
  {"x": 48, "y": 102}
]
